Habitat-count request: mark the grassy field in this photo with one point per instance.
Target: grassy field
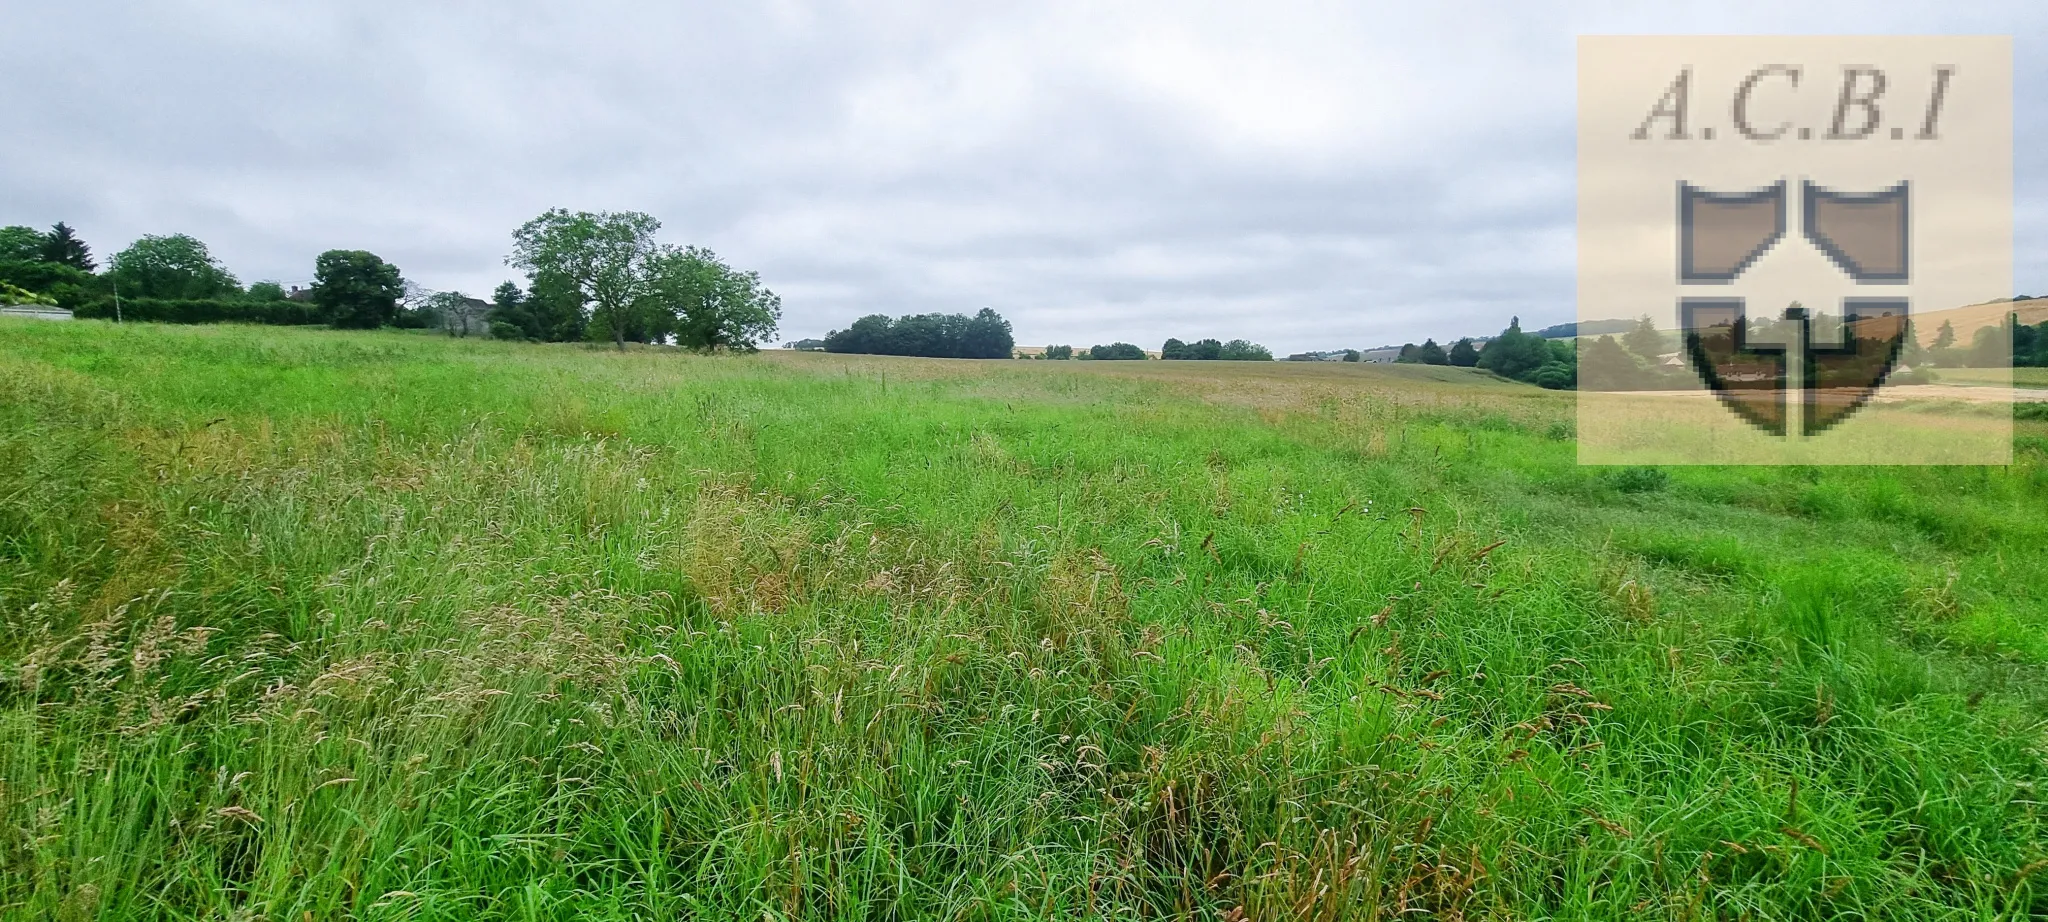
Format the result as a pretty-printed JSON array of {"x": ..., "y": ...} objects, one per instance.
[{"x": 307, "y": 625}]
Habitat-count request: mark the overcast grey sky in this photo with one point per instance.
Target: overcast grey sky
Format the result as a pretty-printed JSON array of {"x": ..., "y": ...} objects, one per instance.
[{"x": 1305, "y": 175}]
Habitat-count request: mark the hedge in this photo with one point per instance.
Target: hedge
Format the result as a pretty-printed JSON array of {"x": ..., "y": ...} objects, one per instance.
[{"x": 153, "y": 310}]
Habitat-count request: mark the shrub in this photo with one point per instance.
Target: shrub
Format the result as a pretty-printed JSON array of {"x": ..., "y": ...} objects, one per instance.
[
  {"x": 12, "y": 294},
  {"x": 238, "y": 310},
  {"x": 65, "y": 285}
]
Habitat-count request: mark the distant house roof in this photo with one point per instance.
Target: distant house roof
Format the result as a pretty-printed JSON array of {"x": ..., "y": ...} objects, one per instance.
[
  {"x": 34, "y": 312},
  {"x": 473, "y": 318}
]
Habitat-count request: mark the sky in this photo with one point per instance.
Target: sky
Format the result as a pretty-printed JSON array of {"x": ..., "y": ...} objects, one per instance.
[{"x": 1305, "y": 175}]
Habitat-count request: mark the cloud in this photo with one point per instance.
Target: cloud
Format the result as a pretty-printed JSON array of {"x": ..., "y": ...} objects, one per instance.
[{"x": 1307, "y": 175}]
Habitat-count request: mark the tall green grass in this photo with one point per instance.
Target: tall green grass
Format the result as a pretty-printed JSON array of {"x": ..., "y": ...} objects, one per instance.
[{"x": 298, "y": 624}]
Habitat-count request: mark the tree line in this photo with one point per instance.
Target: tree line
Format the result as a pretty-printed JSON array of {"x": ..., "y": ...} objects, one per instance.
[
  {"x": 1636, "y": 359},
  {"x": 1513, "y": 354},
  {"x": 589, "y": 276},
  {"x": 1236, "y": 350},
  {"x": 986, "y": 335},
  {"x": 1462, "y": 354},
  {"x": 1209, "y": 350}
]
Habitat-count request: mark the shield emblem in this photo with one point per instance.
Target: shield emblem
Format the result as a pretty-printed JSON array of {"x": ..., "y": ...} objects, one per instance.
[
  {"x": 1720, "y": 234},
  {"x": 1863, "y": 234}
]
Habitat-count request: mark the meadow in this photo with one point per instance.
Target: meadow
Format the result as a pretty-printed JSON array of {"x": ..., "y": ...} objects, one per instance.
[{"x": 297, "y": 624}]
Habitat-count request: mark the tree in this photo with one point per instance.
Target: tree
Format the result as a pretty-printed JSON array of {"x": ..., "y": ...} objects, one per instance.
[
  {"x": 20, "y": 244},
  {"x": 1174, "y": 349},
  {"x": 1059, "y": 353},
  {"x": 1115, "y": 352},
  {"x": 62, "y": 246},
  {"x": 1207, "y": 350},
  {"x": 1605, "y": 365},
  {"x": 70, "y": 287},
  {"x": 988, "y": 336},
  {"x": 1242, "y": 350},
  {"x": 266, "y": 291},
  {"x": 2027, "y": 343},
  {"x": 176, "y": 267},
  {"x": 707, "y": 304},
  {"x": 1942, "y": 351},
  {"x": 509, "y": 316},
  {"x": 1351, "y": 355},
  {"x": 1410, "y": 354},
  {"x": 558, "y": 309},
  {"x": 1560, "y": 367},
  {"x": 1644, "y": 340},
  {"x": 1514, "y": 354},
  {"x": 355, "y": 289},
  {"x": 1431, "y": 354},
  {"x": 870, "y": 335},
  {"x": 1556, "y": 376},
  {"x": 1945, "y": 336},
  {"x": 1991, "y": 346},
  {"x": 610, "y": 258},
  {"x": 1462, "y": 354}
]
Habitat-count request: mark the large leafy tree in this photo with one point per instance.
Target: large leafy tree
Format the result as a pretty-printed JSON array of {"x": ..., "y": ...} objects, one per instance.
[
  {"x": 20, "y": 244},
  {"x": 177, "y": 266},
  {"x": 558, "y": 307},
  {"x": 1429, "y": 353},
  {"x": 710, "y": 305},
  {"x": 62, "y": 246},
  {"x": 1462, "y": 354},
  {"x": 609, "y": 258},
  {"x": 988, "y": 336},
  {"x": 356, "y": 289}
]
